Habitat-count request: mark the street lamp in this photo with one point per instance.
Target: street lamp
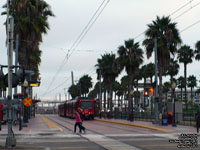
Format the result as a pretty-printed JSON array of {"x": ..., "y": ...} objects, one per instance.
[{"x": 173, "y": 98}]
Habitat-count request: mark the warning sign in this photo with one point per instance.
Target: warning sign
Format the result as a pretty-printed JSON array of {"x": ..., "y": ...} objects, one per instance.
[{"x": 27, "y": 101}]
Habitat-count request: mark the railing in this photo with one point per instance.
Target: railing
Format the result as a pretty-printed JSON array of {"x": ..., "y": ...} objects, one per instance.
[{"x": 188, "y": 119}]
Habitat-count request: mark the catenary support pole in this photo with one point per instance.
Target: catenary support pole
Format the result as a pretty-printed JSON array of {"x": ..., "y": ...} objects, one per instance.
[
  {"x": 10, "y": 140},
  {"x": 156, "y": 100}
]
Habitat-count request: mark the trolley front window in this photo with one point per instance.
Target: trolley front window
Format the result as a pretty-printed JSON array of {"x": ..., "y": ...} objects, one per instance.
[{"x": 86, "y": 105}]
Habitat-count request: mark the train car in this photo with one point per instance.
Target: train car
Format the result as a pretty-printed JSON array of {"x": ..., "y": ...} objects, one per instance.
[
  {"x": 62, "y": 109},
  {"x": 86, "y": 105}
]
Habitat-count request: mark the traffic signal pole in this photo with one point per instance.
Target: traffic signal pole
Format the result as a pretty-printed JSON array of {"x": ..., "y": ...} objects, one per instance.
[{"x": 10, "y": 140}]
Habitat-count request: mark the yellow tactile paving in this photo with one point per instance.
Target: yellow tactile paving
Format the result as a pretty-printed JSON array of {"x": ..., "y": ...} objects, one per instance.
[
  {"x": 136, "y": 125},
  {"x": 50, "y": 124}
]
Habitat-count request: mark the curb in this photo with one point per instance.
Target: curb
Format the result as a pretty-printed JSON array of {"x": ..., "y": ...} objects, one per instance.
[{"x": 136, "y": 125}]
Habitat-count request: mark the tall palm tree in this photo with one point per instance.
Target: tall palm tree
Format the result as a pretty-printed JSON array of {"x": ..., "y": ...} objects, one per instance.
[
  {"x": 137, "y": 77},
  {"x": 168, "y": 38},
  {"x": 124, "y": 84},
  {"x": 31, "y": 21},
  {"x": 166, "y": 89},
  {"x": 73, "y": 90},
  {"x": 85, "y": 83},
  {"x": 109, "y": 70},
  {"x": 185, "y": 55},
  {"x": 192, "y": 82},
  {"x": 181, "y": 85},
  {"x": 150, "y": 71},
  {"x": 130, "y": 57},
  {"x": 143, "y": 73},
  {"x": 172, "y": 69},
  {"x": 197, "y": 51}
]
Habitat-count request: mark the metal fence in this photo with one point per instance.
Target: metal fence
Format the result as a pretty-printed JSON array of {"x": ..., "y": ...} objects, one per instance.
[{"x": 188, "y": 118}]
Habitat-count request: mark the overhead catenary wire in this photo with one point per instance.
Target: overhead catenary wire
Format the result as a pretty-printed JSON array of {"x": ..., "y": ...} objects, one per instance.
[
  {"x": 69, "y": 54},
  {"x": 81, "y": 36},
  {"x": 173, "y": 13},
  {"x": 188, "y": 27}
]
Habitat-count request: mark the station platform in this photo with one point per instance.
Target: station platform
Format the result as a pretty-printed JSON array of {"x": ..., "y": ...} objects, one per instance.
[
  {"x": 37, "y": 125},
  {"x": 150, "y": 125},
  {"x": 40, "y": 125}
]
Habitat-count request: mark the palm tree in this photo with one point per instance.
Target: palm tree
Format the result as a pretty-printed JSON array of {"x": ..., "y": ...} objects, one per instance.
[
  {"x": 137, "y": 77},
  {"x": 92, "y": 94},
  {"x": 124, "y": 84},
  {"x": 73, "y": 90},
  {"x": 172, "y": 69},
  {"x": 197, "y": 51},
  {"x": 166, "y": 89},
  {"x": 130, "y": 58},
  {"x": 192, "y": 82},
  {"x": 30, "y": 18},
  {"x": 168, "y": 38},
  {"x": 185, "y": 55},
  {"x": 109, "y": 71},
  {"x": 143, "y": 73},
  {"x": 150, "y": 71},
  {"x": 85, "y": 83},
  {"x": 181, "y": 85}
]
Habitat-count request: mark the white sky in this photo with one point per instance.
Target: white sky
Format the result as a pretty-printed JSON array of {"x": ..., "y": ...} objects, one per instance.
[{"x": 120, "y": 20}]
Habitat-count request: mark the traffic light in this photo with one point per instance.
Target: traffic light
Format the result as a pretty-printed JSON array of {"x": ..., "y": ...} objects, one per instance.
[
  {"x": 146, "y": 93},
  {"x": 152, "y": 91}
]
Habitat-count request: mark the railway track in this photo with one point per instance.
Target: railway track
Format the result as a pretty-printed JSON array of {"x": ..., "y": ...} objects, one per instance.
[{"x": 64, "y": 126}]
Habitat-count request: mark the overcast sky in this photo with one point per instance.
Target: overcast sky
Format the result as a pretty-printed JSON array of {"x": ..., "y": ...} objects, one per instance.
[{"x": 119, "y": 21}]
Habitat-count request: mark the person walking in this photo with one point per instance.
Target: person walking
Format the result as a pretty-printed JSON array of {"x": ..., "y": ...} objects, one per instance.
[{"x": 78, "y": 123}]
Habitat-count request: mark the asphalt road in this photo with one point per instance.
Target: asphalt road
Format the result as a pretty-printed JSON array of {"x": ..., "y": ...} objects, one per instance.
[{"x": 99, "y": 136}]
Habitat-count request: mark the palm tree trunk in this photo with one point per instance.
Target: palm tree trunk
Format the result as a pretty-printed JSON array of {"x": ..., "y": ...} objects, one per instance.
[
  {"x": 111, "y": 96},
  {"x": 185, "y": 84},
  {"x": 144, "y": 96},
  {"x": 104, "y": 105},
  {"x": 160, "y": 88},
  {"x": 191, "y": 94},
  {"x": 130, "y": 104},
  {"x": 181, "y": 94}
]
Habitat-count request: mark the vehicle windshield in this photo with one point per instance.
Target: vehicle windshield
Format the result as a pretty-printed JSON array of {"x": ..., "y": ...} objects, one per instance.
[{"x": 86, "y": 105}]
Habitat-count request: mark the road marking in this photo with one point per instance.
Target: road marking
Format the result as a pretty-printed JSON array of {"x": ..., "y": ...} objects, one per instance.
[
  {"x": 108, "y": 143},
  {"x": 136, "y": 125},
  {"x": 50, "y": 124}
]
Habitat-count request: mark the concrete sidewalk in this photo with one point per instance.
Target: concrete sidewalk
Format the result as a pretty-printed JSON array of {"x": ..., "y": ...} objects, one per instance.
[
  {"x": 35, "y": 126},
  {"x": 150, "y": 125}
]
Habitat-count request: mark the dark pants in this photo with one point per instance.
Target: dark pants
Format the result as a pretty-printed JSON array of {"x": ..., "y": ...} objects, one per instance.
[{"x": 81, "y": 127}]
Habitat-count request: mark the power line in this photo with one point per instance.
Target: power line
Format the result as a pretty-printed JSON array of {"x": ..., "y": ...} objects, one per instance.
[
  {"x": 188, "y": 27},
  {"x": 187, "y": 10},
  {"x": 177, "y": 10},
  {"x": 90, "y": 27},
  {"x": 75, "y": 43},
  {"x": 181, "y": 7}
]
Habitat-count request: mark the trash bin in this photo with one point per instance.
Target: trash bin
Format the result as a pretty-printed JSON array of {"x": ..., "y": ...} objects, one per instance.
[{"x": 164, "y": 120}]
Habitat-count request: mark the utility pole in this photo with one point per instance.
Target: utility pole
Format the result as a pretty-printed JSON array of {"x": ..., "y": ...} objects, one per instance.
[
  {"x": 156, "y": 99},
  {"x": 10, "y": 140},
  {"x": 16, "y": 57}
]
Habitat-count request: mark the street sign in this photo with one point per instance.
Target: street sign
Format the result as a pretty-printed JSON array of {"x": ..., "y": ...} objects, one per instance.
[
  {"x": 34, "y": 84},
  {"x": 27, "y": 101}
]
